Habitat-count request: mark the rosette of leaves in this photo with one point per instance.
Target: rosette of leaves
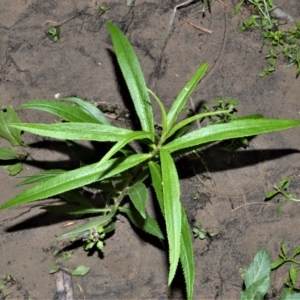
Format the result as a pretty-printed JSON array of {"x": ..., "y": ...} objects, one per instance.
[{"x": 125, "y": 171}]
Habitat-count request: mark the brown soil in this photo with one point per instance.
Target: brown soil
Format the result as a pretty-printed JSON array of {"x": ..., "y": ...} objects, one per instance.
[{"x": 32, "y": 66}]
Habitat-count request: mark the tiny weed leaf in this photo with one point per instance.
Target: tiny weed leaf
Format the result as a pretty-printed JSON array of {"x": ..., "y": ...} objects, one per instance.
[
  {"x": 257, "y": 276},
  {"x": 283, "y": 249},
  {"x": 277, "y": 264},
  {"x": 13, "y": 135},
  {"x": 54, "y": 268},
  {"x": 296, "y": 252},
  {"x": 271, "y": 194},
  {"x": 285, "y": 183},
  {"x": 293, "y": 274},
  {"x": 138, "y": 195},
  {"x": 172, "y": 209}
]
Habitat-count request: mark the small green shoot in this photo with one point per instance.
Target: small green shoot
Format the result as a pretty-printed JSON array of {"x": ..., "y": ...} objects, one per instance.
[
  {"x": 54, "y": 32},
  {"x": 281, "y": 189},
  {"x": 102, "y": 9},
  {"x": 287, "y": 42},
  {"x": 200, "y": 232},
  {"x": 292, "y": 283}
]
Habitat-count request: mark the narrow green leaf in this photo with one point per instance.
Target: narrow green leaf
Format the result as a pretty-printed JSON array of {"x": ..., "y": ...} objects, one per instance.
[
  {"x": 78, "y": 232},
  {"x": 293, "y": 274},
  {"x": 194, "y": 118},
  {"x": 172, "y": 209},
  {"x": 285, "y": 183},
  {"x": 89, "y": 108},
  {"x": 13, "y": 135},
  {"x": 75, "y": 131},
  {"x": 296, "y": 252},
  {"x": 129, "y": 137},
  {"x": 183, "y": 96},
  {"x": 234, "y": 129},
  {"x": 76, "y": 178},
  {"x": 139, "y": 197},
  {"x": 277, "y": 264},
  {"x": 259, "y": 272},
  {"x": 283, "y": 248},
  {"x": 65, "y": 111},
  {"x": 162, "y": 110},
  {"x": 73, "y": 209},
  {"x": 238, "y": 7},
  {"x": 187, "y": 256},
  {"x": 8, "y": 154},
  {"x": 40, "y": 177},
  {"x": 155, "y": 171},
  {"x": 147, "y": 224},
  {"x": 133, "y": 76},
  {"x": 271, "y": 194}
]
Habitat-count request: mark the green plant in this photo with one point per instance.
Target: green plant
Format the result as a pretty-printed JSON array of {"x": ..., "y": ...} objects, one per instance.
[
  {"x": 282, "y": 190},
  {"x": 257, "y": 277},
  {"x": 54, "y": 32},
  {"x": 200, "y": 232},
  {"x": 124, "y": 172},
  {"x": 102, "y": 10},
  {"x": 287, "y": 42}
]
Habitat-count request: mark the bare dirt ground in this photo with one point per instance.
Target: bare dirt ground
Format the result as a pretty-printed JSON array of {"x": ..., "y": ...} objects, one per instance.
[{"x": 32, "y": 66}]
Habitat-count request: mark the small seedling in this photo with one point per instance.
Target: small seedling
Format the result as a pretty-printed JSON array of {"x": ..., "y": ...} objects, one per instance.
[
  {"x": 286, "y": 41},
  {"x": 200, "y": 232},
  {"x": 54, "y": 33},
  {"x": 282, "y": 190},
  {"x": 102, "y": 10},
  {"x": 291, "y": 283}
]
